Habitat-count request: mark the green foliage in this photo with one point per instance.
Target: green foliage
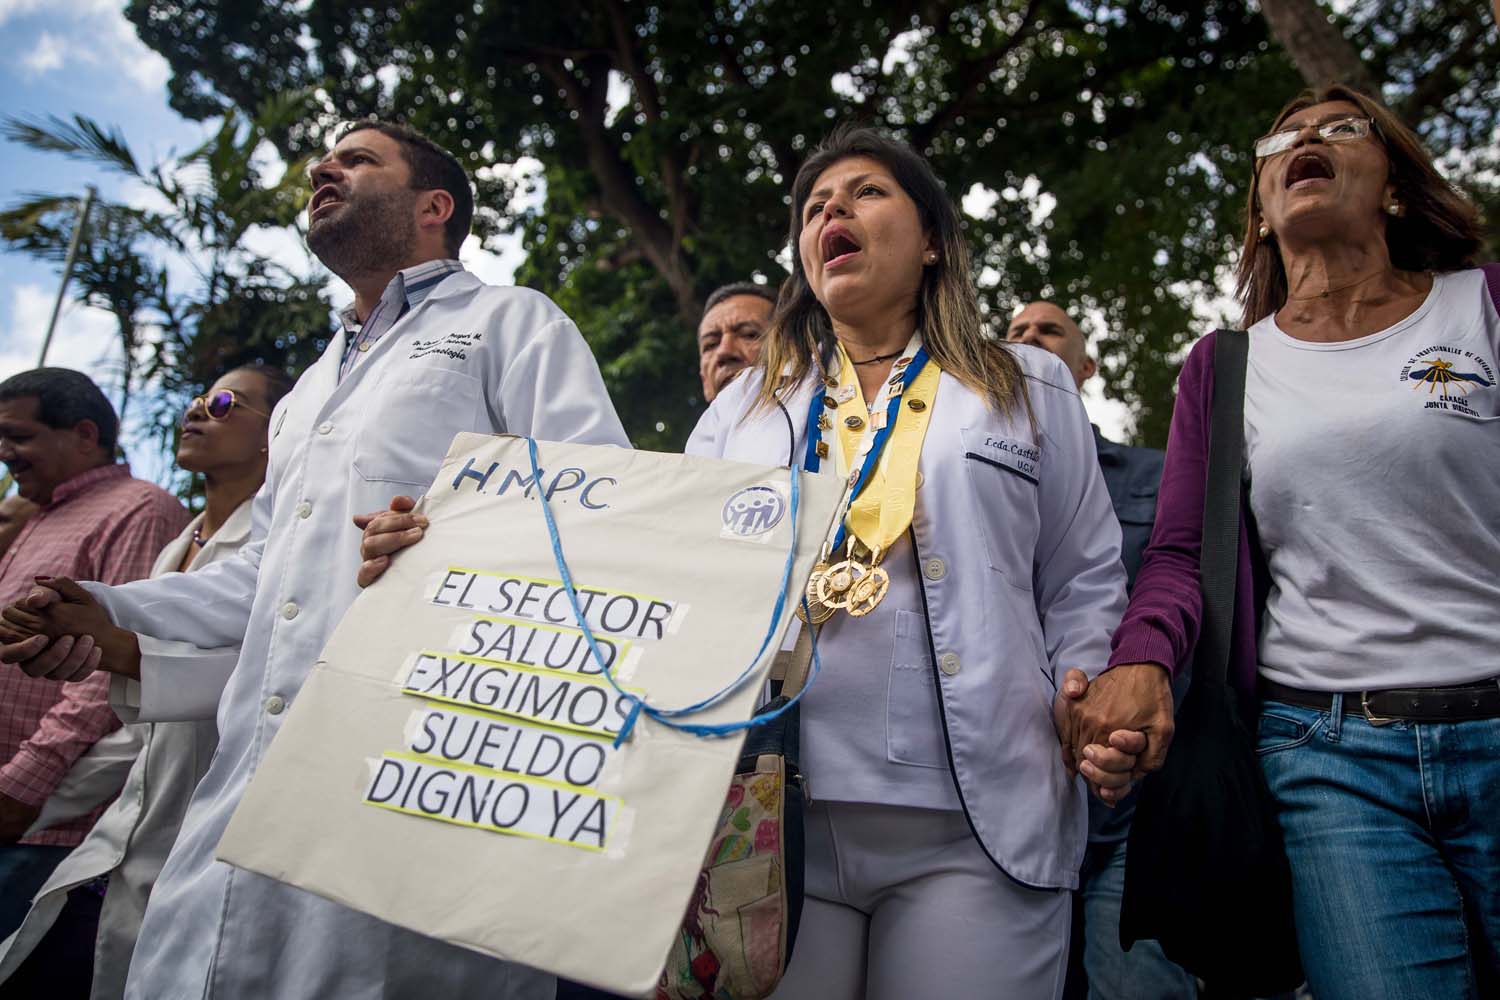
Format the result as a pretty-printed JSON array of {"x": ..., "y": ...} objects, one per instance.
[
  {"x": 668, "y": 135},
  {"x": 190, "y": 297}
]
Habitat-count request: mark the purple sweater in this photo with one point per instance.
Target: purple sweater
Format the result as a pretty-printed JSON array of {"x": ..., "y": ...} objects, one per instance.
[{"x": 1166, "y": 606}]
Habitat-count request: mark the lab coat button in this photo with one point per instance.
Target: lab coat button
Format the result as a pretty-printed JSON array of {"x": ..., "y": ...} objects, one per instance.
[
  {"x": 275, "y": 704},
  {"x": 304, "y": 509},
  {"x": 325, "y": 428},
  {"x": 935, "y": 569},
  {"x": 948, "y": 663},
  {"x": 289, "y": 610}
]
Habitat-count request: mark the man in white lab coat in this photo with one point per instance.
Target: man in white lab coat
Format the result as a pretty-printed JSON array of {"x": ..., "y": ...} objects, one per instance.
[{"x": 426, "y": 350}]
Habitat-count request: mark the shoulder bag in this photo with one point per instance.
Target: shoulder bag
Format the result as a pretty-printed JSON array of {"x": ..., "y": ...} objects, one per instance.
[{"x": 1206, "y": 872}]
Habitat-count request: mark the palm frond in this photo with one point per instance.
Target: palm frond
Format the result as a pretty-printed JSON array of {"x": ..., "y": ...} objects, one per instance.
[{"x": 82, "y": 139}]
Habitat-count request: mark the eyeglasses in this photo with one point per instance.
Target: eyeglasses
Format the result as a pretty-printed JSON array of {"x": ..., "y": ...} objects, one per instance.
[
  {"x": 218, "y": 405},
  {"x": 1338, "y": 130}
]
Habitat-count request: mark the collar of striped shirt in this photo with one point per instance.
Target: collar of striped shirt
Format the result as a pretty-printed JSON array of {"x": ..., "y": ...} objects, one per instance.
[{"x": 404, "y": 293}]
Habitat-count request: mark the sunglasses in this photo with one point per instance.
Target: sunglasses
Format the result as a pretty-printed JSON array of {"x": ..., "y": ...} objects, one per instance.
[
  {"x": 219, "y": 405},
  {"x": 1337, "y": 130}
]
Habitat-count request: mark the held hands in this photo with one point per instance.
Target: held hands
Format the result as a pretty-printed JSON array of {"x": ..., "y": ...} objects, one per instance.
[
  {"x": 60, "y": 632},
  {"x": 387, "y": 532},
  {"x": 1115, "y": 729}
]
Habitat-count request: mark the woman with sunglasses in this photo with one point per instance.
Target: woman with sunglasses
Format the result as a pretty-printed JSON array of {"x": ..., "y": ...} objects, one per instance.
[
  {"x": 1368, "y": 597},
  {"x": 167, "y": 694},
  {"x": 223, "y": 439},
  {"x": 978, "y": 561}
]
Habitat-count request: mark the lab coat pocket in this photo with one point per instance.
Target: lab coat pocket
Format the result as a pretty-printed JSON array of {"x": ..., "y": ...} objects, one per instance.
[
  {"x": 914, "y": 727},
  {"x": 416, "y": 412},
  {"x": 1004, "y": 474}
]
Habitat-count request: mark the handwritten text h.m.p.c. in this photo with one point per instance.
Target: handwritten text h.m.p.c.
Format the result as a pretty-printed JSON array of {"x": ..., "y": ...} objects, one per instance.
[{"x": 564, "y": 481}]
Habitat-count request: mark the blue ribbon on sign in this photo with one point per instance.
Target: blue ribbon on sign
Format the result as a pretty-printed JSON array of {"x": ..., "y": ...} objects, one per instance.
[
  {"x": 892, "y": 411},
  {"x": 669, "y": 716}
]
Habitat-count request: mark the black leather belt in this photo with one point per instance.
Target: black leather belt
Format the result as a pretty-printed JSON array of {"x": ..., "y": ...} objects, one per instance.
[{"x": 1463, "y": 703}]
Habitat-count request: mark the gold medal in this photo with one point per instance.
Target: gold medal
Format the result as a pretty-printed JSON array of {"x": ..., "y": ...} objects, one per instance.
[
  {"x": 868, "y": 591},
  {"x": 833, "y": 586},
  {"x": 814, "y": 611}
]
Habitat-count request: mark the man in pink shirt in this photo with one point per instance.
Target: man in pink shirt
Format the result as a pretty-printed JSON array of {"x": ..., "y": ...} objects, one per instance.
[{"x": 93, "y": 522}]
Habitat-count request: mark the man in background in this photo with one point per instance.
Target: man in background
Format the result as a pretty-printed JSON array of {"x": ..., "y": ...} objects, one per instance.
[
  {"x": 734, "y": 320},
  {"x": 93, "y": 520},
  {"x": 1132, "y": 476}
]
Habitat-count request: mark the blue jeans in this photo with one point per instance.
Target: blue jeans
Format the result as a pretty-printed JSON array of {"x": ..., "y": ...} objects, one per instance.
[
  {"x": 1113, "y": 973},
  {"x": 1393, "y": 833}
]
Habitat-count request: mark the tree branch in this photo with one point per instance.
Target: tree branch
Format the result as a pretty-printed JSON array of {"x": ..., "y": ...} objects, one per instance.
[
  {"x": 1432, "y": 88},
  {"x": 972, "y": 76},
  {"x": 616, "y": 180}
]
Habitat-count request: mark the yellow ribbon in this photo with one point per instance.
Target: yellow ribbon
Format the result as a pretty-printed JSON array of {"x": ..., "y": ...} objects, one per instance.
[{"x": 883, "y": 510}]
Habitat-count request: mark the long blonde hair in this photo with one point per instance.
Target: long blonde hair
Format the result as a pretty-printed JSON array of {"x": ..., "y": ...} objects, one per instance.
[{"x": 947, "y": 308}]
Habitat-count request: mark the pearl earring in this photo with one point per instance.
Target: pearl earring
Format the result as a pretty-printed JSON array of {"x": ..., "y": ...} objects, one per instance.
[
  {"x": 1394, "y": 208},
  {"x": 1264, "y": 230},
  {"x": 930, "y": 257}
]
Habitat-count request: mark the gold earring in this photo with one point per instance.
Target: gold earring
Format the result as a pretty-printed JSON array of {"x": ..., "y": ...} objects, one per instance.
[{"x": 1264, "y": 230}]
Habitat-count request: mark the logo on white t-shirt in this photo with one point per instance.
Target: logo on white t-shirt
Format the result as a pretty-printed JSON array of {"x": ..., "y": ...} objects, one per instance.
[{"x": 1452, "y": 379}]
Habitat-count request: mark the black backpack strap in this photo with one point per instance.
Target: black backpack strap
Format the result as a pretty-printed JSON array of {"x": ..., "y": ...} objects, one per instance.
[{"x": 1220, "y": 549}]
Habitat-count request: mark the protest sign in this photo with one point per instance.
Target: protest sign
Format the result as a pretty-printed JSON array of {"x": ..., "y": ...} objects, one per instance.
[{"x": 450, "y": 764}]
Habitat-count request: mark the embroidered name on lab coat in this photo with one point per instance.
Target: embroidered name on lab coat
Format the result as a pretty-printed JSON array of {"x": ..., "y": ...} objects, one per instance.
[
  {"x": 452, "y": 345},
  {"x": 1011, "y": 454}
]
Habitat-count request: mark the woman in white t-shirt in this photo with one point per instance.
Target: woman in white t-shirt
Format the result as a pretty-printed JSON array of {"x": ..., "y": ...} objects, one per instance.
[{"x": 1368, "y": 596}]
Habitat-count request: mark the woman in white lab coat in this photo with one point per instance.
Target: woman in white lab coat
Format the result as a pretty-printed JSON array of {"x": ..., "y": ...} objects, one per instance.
[{"x": 979, "y": 560}]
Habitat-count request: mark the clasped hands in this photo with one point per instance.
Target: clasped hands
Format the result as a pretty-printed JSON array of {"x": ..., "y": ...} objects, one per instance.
[
  {"x": 1115, "y": 729},
  {"x": 59, "y": 631}
]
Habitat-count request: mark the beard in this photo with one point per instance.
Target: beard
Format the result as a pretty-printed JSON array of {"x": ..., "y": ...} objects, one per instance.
[{"x": 368, "y": 232}]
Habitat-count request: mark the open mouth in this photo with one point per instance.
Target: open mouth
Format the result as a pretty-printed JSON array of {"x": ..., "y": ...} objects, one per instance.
[
  {"x": 837, "y": 246},
  {"x": 322, "y": 198},
  {"x": 1308, "y": 167}
]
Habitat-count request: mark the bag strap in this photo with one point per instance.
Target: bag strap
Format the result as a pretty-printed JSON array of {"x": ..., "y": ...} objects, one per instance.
[
  {"x": 790, "y": 666},
  {"x": 1218, "y": 560}
]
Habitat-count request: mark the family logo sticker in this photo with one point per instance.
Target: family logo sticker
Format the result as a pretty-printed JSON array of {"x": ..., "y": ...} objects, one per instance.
[
  {"x": 1450, "y": 376},
  {"x": 753, "y": 512}
]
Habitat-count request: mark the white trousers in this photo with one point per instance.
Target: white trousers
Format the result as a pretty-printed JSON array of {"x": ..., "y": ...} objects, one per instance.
[{"x": 902, "y": 904}]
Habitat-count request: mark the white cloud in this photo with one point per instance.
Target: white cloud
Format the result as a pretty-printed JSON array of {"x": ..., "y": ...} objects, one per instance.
[
  {"x": 85, "y": 339},
  {"x": 46, "y": 55},
  {"x": 112, "y": 43},
  {"x": 17, "y": 8}
]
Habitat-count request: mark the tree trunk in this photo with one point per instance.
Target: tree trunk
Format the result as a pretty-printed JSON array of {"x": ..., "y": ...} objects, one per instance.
[{"x": 1316, "y": 47}]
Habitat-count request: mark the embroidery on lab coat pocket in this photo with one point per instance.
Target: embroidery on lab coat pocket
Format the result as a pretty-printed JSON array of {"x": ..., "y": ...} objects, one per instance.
[
  {"x": 449, "y": 345},
  {"x": 1019, "y": 457}
]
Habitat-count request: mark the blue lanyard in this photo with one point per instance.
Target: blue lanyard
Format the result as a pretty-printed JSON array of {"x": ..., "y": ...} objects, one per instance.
[
  {"x": 892, "y": 411},
  {"x": 668, "y": 716}
]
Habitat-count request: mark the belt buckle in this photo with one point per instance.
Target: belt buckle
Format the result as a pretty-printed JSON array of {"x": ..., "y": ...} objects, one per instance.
[{"x": 1371, "y": 717}]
